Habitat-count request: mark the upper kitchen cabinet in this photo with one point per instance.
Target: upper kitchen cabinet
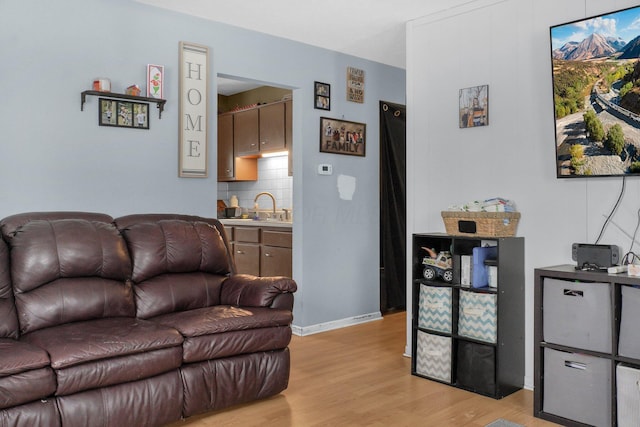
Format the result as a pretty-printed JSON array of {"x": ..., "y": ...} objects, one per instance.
[
  {"x": 272, "y": 127},
  {"x": 230, "y": 167},
  {"x": 260, "y": 130},
  {"x": 246, "y": 132}
]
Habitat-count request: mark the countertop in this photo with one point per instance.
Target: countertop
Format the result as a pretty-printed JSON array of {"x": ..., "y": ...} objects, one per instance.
[{"x": 254, "y": 223}]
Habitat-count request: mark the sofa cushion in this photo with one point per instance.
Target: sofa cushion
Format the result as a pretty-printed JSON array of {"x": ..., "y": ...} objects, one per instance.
[
  {"x": 177, "y": 265},
  {"x": 174, "y": 246},
  {"x": 25, "y": 375},
  {"x": 18, "y": 356},
  {"x": 8, "y": 318},
  {"x": 69, "y": 270},
  {"x": 222, "y": 331},
  {"x": 108, "y": 351},
  {"x": 169, "y": 293}
]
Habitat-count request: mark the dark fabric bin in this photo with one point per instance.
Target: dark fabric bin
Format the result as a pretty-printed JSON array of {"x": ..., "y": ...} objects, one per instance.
[{"x": 476, "y": 367}]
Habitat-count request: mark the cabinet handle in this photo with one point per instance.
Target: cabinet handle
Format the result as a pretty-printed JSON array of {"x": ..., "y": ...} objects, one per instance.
[
  {"x": 267, "y": 254},
  {"x": 240, "y": 252}
]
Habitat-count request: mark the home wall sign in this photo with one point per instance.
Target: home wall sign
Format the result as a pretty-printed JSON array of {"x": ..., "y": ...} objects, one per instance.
[
  {"x": 342, "y": 137},
  {"x": 193, "y": 109},
  {"x": 355, "y": 85}
]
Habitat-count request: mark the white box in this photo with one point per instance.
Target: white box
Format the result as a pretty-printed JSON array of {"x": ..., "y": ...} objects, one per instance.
[{"x": 466, "y": 270}]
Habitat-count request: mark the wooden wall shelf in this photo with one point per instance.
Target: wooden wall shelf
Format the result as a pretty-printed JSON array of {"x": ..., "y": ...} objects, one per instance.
[{"x": 112, "y": 95}]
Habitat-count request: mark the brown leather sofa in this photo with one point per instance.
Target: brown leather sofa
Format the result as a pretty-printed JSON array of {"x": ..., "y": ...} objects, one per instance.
[{"x": 135, "y": 321}]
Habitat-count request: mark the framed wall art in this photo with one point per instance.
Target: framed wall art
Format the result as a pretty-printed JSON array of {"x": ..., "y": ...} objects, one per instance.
[
  {"x": 474, "y": 106},
  {"x": 342, "y": 137},
  {"x": 124, "y": 114},
  {"x": 355, "y": 85},
  {"x": 322, "y": 96},
  {"x": 155, "y": 81},
  {"x": 193, "y": 111}
]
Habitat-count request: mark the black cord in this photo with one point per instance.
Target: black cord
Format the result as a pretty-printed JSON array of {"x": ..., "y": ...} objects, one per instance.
[
  {"x": 613, "y": 210},
  {"x": 630, "y": 253}
]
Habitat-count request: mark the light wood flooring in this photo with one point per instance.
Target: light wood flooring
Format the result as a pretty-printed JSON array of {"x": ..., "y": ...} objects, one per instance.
[{"x": 358, "y": 376}]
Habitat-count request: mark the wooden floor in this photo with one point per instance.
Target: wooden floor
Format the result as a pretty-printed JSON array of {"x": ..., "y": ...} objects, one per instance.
[{"x": 358, "y": 376}]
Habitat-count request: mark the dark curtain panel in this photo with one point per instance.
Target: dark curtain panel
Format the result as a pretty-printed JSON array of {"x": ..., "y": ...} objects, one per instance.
[{"x": 392, "y": 206}]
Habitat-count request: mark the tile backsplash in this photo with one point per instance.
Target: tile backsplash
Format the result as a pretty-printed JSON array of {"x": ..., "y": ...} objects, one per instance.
[{"x": 272, "y": 177}]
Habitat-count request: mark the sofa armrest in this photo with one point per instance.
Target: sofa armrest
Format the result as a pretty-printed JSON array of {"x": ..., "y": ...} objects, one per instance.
[{"x": 245, "y": 290}]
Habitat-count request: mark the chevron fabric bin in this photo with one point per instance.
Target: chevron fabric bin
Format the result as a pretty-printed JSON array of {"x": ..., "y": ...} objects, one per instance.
[
  {"x": 433, "y": 356},
  {"x": 477, "y": 316},
  {"x": 434, "y": 311}
]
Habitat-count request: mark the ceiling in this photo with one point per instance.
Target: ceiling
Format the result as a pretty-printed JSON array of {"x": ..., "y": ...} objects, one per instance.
[{"x": 370, "y": 29}]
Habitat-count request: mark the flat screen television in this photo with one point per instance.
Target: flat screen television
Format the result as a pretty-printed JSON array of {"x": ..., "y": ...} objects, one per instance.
[{"x": 596, "y": 94}]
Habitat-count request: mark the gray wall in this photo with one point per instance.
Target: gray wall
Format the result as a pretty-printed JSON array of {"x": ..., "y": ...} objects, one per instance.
[
  {"x": 504, "y": 44},
  {"x": 55, "y": 157}
]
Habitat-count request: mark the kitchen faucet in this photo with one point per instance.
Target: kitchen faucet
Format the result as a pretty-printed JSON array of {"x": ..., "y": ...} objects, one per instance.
[{"x": 265, "y": 193}]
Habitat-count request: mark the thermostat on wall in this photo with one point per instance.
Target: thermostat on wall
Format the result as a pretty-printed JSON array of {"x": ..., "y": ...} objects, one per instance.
[{"x": 325, "y": 169}]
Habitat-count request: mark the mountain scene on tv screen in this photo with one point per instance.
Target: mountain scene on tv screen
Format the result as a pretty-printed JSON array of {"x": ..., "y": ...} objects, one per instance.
[{"x": 596, "y": 91}]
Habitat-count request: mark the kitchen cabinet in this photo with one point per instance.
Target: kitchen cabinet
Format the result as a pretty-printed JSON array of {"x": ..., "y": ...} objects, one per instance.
[
  {"x": 246, "y": 133},
  {"x": 262, "y": 250},
  {"x": 275, "y": 253},
  {"x": 230, "y": 167},
  {"x": 246, "y": 250},
  {"x": 465, "y": 333},
  {"x": 272, "y": 127}
]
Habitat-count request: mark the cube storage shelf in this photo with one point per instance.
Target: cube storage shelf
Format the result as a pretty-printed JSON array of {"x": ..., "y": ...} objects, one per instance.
[
  {"x": 587, "y": 347},
  {"x": 466, "y": 337}
]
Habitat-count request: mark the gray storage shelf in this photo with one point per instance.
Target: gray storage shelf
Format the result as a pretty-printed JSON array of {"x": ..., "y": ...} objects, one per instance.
[
  {"x": 492, "y": 367},
  {"x": 595, "y": 339}
]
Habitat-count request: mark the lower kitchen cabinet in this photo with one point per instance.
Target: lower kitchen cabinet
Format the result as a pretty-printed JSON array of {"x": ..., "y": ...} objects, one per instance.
[{"x": 262, "y": 251}]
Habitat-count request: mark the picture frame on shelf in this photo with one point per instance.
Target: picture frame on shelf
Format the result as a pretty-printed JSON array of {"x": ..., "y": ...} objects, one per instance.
[
  {"x": 342, "y": 137},
  {"x": 140, "y": 115},
  {"x": 125, "y": 114},
  {"x": 155, "y": 81},
  {"x": 107, "y": 112},
  {"x": 322, "y": 96}
]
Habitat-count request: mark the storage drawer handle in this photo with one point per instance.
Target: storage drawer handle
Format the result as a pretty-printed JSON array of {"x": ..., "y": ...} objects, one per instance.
[
  {"x": 573, "y": 293},
  {"x": 240, "y": 252},
  {"x": 575, "y": 365},
  {"x": 267, "y": 254}
]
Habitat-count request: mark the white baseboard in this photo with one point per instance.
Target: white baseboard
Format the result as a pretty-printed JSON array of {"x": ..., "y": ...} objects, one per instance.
[{"x": 335, "y": 324}]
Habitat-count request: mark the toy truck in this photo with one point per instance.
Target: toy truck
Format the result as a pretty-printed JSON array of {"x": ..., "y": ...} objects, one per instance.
[{"x": 437, "y": 265}]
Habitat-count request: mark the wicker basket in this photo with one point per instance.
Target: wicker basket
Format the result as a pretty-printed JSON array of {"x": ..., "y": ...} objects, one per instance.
[{"x": 483, "y": 224}]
